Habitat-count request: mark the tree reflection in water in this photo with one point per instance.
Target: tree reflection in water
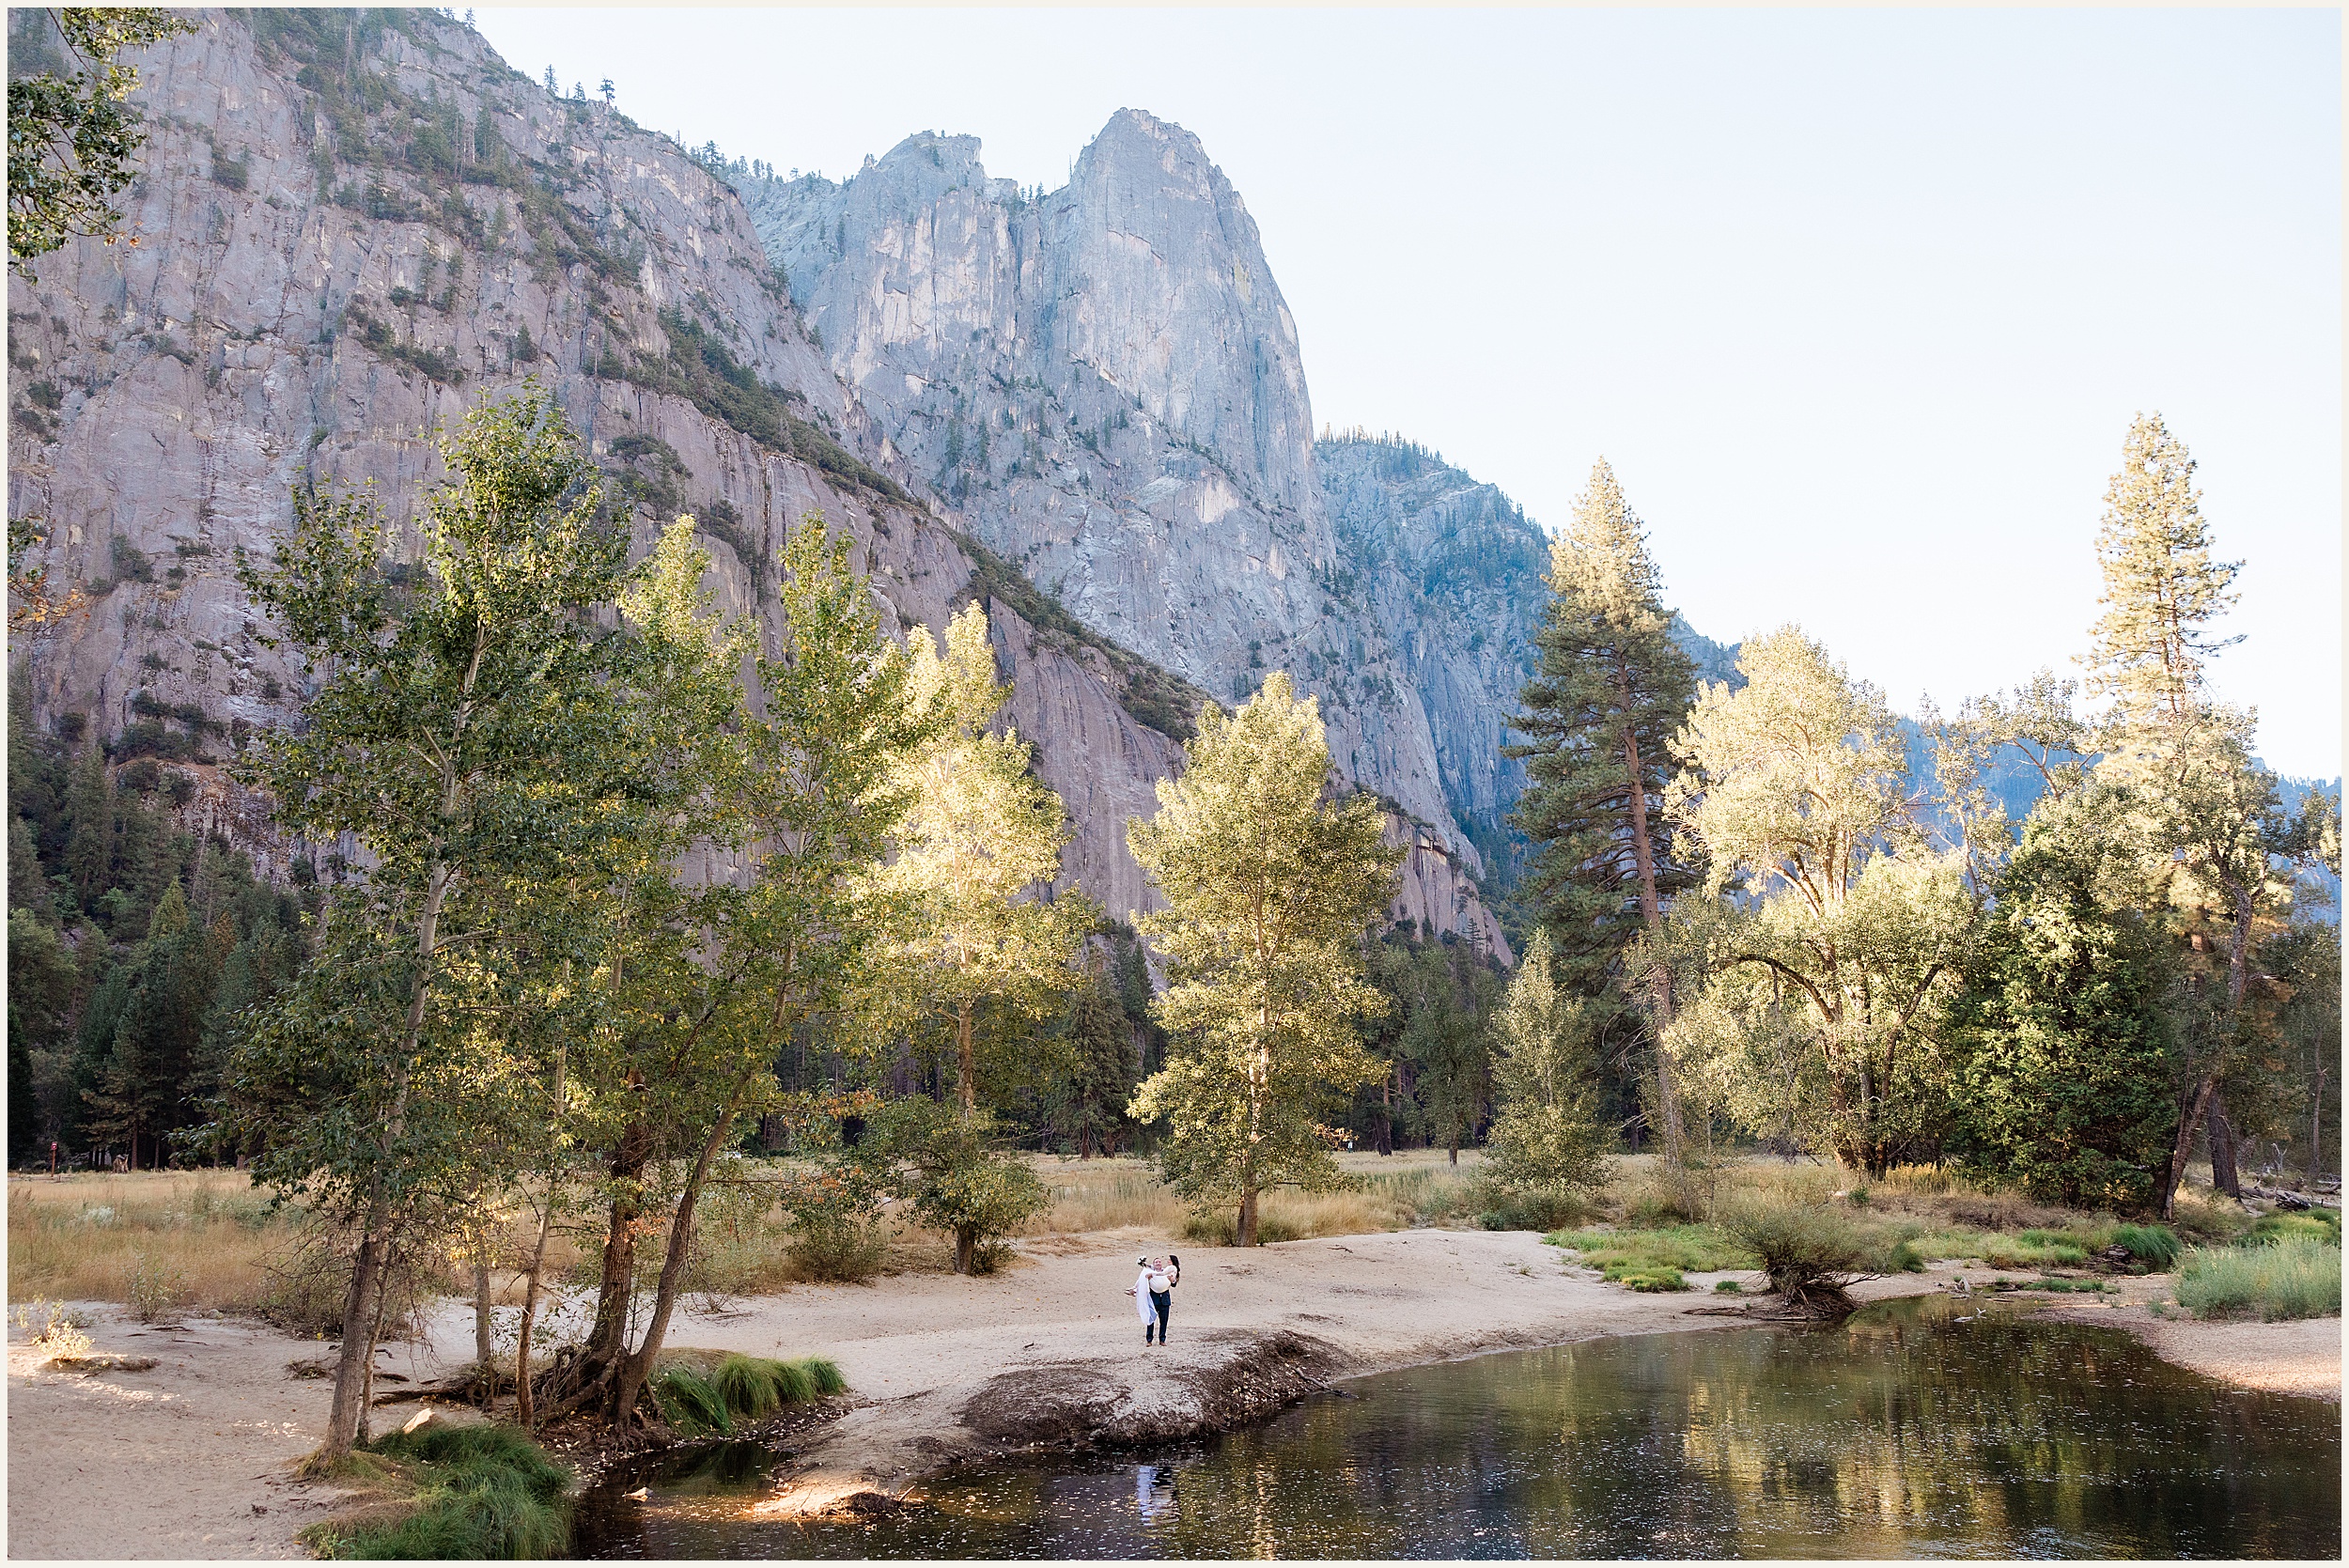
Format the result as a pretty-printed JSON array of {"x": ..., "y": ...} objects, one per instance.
[{"x": 1916, "y": 1428}]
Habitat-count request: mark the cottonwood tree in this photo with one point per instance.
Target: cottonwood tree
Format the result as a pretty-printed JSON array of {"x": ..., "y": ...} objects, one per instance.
[
  {"x": 1609, "y": 690},
  {"x": 1825, "y": 988},
  {"x": 811, "y": 793},
  {"x": 1545, "y": 1138},
  {"x": 1270, "y": 888},
  {"x": 964, "y": 896},
  {"x": 456, "y": 726}
]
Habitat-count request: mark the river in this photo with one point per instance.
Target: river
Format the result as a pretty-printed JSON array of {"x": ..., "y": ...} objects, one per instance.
[{"x": 1918, "y": 1427}]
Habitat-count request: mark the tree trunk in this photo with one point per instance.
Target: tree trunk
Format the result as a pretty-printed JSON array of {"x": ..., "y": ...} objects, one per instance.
[
  {"x": 484, "y": 1345},
  {"x": 2222, "y": 1162},
  {"x": 965, "y": 1250},
  {"x": 966, "y": 1091},
  {"x": 343, "y": 1416},
  {"x": 636, "y": 1369},
  {"x": 607, "y": 1340},
  {"x": 525, "y": 1406},
  {"x": 1451, "y": 1152},
  {"x": 2317, "y": 1132},
  {"x": 1244, "y": 1235},
  {"x": 1652, "y": 916},
  {"x": 2191, "y": 1117}
]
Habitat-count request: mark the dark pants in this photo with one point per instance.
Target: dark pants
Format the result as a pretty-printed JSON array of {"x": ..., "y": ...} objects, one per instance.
[{"x": 1162, "y": 1301}]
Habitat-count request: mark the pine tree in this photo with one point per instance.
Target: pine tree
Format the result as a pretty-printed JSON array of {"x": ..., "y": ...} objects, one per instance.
[
  {"x": 2209, "y": 813},
  {"x": 1609, "y": 688},
  {"x": 1103, "y": 1066},
  {"x": 2161, "y": 587},
  {"x": 1269, "y": 891},
  {"x": 2061, "y": 1044}
]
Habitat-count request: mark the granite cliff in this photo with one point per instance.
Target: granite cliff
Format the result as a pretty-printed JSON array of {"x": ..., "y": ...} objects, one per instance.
[
  {"x": 1104, "y": 385},
  {"x": 353, "y": 227}
]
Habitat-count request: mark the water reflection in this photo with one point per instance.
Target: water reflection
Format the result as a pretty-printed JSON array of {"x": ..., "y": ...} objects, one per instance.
[{"x": 1911, "y": 1430}]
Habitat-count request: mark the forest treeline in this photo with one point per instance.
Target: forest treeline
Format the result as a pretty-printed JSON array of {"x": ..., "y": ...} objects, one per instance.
[{"x": 1744, "y": 919}]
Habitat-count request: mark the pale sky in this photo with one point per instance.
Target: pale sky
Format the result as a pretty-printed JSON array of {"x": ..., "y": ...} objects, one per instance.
[{"x": 1858, "y": 303}]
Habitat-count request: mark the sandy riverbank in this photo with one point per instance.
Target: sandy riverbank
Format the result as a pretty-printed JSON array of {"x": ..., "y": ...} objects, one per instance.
[{"x": 190, "y": 1459}]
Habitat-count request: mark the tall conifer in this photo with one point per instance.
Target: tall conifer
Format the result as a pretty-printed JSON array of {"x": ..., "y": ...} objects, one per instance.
[{"x": 1609, "y": 690}]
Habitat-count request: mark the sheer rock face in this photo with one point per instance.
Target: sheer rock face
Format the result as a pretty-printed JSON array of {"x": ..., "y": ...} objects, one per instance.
[
  {"x": 170, "y": 395},
  {"x": 1458, "y": 564},
  {"x": 1105, "y": 385}
]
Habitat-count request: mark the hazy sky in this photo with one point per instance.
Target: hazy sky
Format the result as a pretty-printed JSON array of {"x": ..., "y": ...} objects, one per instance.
[{"x": 1858, "y": 304}]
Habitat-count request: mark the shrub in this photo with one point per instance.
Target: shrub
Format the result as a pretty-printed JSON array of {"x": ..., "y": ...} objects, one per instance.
[
  {"x": 1535, "y": 1211},
  {"x": 156, "y": 1289},
  {"x": 1813, "y": 1254},
  {"x": 2155, "y": 1246},
  {"x": 475, "y": 1492},
  {"x": 1221, "y": 1228},
  {"x": 2293, "y": 1277},
  {"x": 1652, "y": 1279}
]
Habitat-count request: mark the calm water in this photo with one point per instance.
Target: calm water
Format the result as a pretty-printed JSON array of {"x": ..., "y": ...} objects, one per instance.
[{"x": 1918, "y": 1428}]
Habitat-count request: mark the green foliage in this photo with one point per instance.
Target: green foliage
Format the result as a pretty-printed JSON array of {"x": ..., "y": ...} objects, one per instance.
[
  {"x": 2270, "y": 1230},
  {"x": 2294, "y": 1276},
  {"x": 2155, "y": 1246},
  {"x": 956, "y": 1179},
  {"x": 1547, "y": 1139},
  {"x": 755, "y": 1387},
  {"x": 964, "y": 932},
  {"x": 1611, "y": 687},
  {"x": 1697, "y": 1248},
  {"x": 692, "y": 1403},
  {"x": 2060, "y": 1047},
  {"x": 478, "y": 1492},
  {"x": 1822, "y": 991},
  {"x": 73, "y": 132},
  {"x": 1812, "y": 1251},
  {"x": 1269, "y": 891},
  {"x": 1545, "y": 1211}
]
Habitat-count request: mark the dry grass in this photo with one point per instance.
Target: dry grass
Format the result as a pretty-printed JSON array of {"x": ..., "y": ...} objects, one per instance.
[{"x": 186, "y": 1240}]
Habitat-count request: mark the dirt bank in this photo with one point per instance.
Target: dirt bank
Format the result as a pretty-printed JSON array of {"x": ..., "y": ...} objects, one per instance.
[{"x": 2301, "y": 1357}]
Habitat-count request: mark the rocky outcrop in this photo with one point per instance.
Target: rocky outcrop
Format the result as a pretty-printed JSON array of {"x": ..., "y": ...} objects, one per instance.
[
  {"x": 352, "y": 227},
  {"x": 1104, "y": 385}
]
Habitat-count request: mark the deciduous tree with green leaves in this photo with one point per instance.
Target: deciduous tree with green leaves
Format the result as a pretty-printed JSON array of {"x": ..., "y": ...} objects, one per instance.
[
  {"x": 966, "y": 896},
  {"x": 1824, "y": 991},
  {"x": 458, "y": 735},
  {"x": 1546, "y": 1139},
  {"x": 1270, "y": 888}
]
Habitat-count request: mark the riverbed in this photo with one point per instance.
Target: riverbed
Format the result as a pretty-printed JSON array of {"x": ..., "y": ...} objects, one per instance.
[{"x": 1926, "y": 1426}]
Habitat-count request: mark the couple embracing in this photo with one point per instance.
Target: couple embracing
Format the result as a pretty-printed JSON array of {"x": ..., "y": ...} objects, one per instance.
[{"x": 1154, "y": 1294}]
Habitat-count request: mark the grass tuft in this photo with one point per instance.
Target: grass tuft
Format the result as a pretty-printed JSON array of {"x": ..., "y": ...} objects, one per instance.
[
  {"x": 2155, "y": 1246},
  {"x": 2290, "y": 1278},
  {"x": 1620, "y": 1254},
  {"x": 453, "y": 1492}
]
